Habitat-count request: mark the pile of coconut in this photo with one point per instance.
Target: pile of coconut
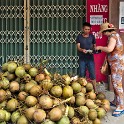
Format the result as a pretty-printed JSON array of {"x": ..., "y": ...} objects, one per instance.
[{"x": 29, "y": 95}]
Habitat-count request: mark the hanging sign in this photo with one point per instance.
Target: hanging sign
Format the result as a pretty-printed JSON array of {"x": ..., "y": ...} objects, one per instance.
[{"x": 98, "y": 13}]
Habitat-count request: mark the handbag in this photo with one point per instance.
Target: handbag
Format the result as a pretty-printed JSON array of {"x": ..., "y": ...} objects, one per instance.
[{"x": 105, "y": 69}]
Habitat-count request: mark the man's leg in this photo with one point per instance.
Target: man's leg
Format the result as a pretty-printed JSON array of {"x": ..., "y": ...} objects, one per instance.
[
  {"x": 82, "y": 68},
  {"x": 91, "y": 70},
  {"x": 94, "y": 85}
]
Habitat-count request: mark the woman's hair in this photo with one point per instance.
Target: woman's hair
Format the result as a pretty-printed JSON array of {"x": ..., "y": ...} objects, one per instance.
[{"x": 110, "y": 30}]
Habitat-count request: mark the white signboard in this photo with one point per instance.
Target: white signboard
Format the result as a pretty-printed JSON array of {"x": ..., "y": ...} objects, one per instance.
[
  {"x": 96, "y": 19},
  {"x": 121, "y": 17}
]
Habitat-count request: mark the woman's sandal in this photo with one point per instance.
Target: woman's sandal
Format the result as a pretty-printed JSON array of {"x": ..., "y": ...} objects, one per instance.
[
  {"x": 120, "y": 112},
  {"x": 112, "y": 104}
]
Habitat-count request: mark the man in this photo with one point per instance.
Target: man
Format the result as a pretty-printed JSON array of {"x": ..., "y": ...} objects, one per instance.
[{"x": 86, "y": 41}]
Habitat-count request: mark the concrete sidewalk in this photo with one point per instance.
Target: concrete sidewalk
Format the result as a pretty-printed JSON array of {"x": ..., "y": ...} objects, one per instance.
[{"x": 109, "y": 119}]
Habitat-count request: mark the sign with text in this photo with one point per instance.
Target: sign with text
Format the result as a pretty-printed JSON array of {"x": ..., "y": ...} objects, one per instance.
[{"x": 98, "y": 13}]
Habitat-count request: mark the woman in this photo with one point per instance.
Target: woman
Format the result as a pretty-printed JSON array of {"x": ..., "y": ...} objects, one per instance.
[{"x": 115, "y": 58}]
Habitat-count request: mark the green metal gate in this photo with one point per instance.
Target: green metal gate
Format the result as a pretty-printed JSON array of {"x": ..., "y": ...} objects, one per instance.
[
  {"x": 11, "y": 30},
  {"x": 54, "y": 25}
]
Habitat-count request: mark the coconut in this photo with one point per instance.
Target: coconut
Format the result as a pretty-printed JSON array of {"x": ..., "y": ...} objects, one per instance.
[
  {"x": 18, "y": 80},
  {"x": 31, "y": 101},
  {"x": 22, "y": 120},
  {"x": 83, "y": 110},
  {"x": 89, "y": 103},
  {"x": 2, "y": 115},
  {"x": 89, "y": 87},
  {"x": 71, "y": 112},
  {"x": 33, "y": 72},
  {"x": 83, "y": 90},
  {"x": 48, "y": 121},
  {"x": 40, "y": 77},
  {"x": 66, "y": 79},
  {"x": 10, "y": 76},
  {"x": 8, "y": 94},
  {"x": 80, "y": 94},
  {"x": 35, "y": 90},
  {"x": 62, "y": 107},
  {"x": 22, "y": 96},
  {"x": 5, "y": 83},
  {"x": 92, "y": 114},
  {"x": 27, "y": 67},
  {"x": 80, "y": 100},
  {"x": 101, "y": 96},
  {"x": 56, "y": 101},
  {"x": 67, "y": 92},
  {"x": 75, "y": 120},
  {"x": 48, "y": 77},
  {"x": 76, "y": 87},
  {"x": 8, "y": 116},
  {"x": 82, "y": 81},
  {"x": 14, "y": 86},
  {"x": 3, "y": 104},
  {"x": 55, "y": 114},
  {"x": 29, "y": 85},
  {"x": 5, "y": 67},
  {"x": 12, "y": 104},
  {"x": 33, "y": 81},
  {"x": 15, "y": 116},
  {"x": 98, "y": 102},
  {"x": 39, "y": 115},
  {"x": 20, "y": 71},
  {"x": 91, "y": 95},
  {"x": 56, "y": 91},
  {"x": 64, "y": 120},
  {"x": 105, "y": 101},
  {"x": 101, "y": 113},
  {"x": 27, "y": 77},
  {"x": 2, "y": 95},
  {"x": 12, "y": 67},
  {"x": 106, "y": 107},
  {"x": 72, "y": 100},
  {"x": 97, "y": 121},
  {"x": 3, "y": 122},
  {"x": 46, "y": 84},
  {"x": 22, "y": 87},
  {"x": 46, "y": 102}
]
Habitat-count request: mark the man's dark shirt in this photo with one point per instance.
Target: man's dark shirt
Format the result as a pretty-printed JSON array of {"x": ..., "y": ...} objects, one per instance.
[{"x": 86, "y": 43}]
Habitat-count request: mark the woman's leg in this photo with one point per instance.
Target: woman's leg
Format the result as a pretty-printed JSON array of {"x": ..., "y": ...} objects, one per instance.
[{"x": 117, "y": 72}]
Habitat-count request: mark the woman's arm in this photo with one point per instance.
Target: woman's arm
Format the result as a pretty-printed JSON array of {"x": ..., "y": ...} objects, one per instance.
[{"x": 110, "y": 47}]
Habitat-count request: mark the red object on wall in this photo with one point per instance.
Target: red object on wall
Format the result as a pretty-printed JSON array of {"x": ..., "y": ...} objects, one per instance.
[{"x": 97, "y": 13}]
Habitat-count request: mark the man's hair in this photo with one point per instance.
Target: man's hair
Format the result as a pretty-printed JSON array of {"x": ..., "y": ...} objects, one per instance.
[{"x": 86, "y": 24}]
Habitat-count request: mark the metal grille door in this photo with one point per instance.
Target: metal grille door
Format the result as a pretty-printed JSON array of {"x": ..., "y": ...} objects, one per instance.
[
  {"x": 41, "y": 29},
  {"x": 11, "y": 30},
  {"x": 54, "y": 25}
]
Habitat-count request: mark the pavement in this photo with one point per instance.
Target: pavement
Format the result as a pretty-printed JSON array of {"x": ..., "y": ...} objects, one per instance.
[{"x": 109, "y": 119}]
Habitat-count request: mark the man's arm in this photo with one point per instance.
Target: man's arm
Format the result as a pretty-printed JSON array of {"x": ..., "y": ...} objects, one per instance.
[{"x": 80, "y": 49}]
